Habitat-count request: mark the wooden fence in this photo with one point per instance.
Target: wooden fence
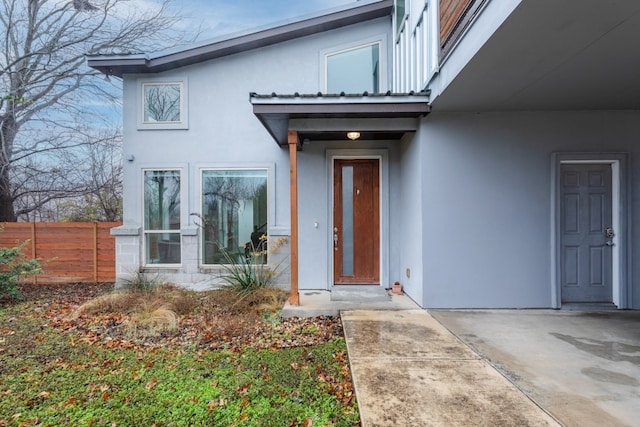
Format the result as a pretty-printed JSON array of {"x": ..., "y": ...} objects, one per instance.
[{"x": 69, "y": 252}]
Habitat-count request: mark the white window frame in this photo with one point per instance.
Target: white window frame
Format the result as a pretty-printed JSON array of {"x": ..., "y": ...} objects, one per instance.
[
  {"x": 200, "y": 170},
  {"x": 176, "y": 231},
  {"x": 382, "y": 60},
  {"x": 183, "y": 123}
]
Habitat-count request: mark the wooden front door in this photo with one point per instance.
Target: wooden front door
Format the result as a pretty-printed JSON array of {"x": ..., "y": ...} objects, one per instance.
[
  {"x": 586, "y": 235},
  {"x": 356, "y": 221}
]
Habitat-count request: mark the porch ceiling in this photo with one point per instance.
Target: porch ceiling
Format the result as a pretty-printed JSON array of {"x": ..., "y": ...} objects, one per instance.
[
  {"x": 328, "y": 117},
  {"x": 554, "y": 55}
]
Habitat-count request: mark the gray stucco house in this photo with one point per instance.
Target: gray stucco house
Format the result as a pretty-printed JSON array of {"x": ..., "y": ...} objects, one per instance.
[{"x": 483, "y": 153}]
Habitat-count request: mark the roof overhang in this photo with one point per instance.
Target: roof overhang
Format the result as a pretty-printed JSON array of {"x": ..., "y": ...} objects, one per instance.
[
  {"x": 117, "y": 65},
  {"x": 329, "y": 117},
  {"x": 548, "y": 55}
]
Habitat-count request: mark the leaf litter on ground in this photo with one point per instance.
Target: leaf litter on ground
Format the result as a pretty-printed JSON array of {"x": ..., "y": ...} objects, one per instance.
[{"x": 200, "y": 322}]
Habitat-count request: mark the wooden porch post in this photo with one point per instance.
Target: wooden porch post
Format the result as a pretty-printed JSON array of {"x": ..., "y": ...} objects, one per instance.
[{"x": 292, "y": 139}]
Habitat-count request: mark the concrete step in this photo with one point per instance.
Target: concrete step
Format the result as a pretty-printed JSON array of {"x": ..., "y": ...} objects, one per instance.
[
  {"x": 589, "y": 306},
  {"x": 359, "y": 293},
  {"x": 318, "y": 303}
]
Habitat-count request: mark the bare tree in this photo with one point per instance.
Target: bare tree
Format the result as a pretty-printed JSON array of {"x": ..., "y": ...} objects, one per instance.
[
  {"x": 91, "y": 190},
  {"x": 45, "y": 86}
]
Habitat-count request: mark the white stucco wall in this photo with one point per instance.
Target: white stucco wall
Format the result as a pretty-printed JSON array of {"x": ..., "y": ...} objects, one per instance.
[
  {"x": 223, "y": 132},
  {"x": 486, "y": 186}
]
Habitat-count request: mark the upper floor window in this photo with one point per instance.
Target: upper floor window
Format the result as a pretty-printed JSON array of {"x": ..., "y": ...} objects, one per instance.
[
  {"x": 162, "y": 217},
  {"x": 163, "y": 105},
  {"x": 354, "y": 70}
]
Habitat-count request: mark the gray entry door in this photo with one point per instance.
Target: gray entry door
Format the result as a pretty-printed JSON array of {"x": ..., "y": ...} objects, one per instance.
[{"x": 586, "y": 235}]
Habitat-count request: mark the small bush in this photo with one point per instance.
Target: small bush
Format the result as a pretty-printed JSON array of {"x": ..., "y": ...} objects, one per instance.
[
  {"x": 154, "y": 316},
  {"x": 141, "y": 281},
  {"x": 151, "y": 311},
  {"x": 250, "y": 272},
  {"x": 259, "y": 300},
  {"x": 118, "y": 302},
  {"x": 14, "y": 265}
]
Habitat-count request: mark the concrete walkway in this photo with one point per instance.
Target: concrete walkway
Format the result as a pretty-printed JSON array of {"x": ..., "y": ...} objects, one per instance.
[{"x": 408, "y": 370}]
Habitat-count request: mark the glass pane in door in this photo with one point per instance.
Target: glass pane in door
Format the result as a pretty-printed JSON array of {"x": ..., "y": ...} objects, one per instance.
[{"x": 347, "y": 220}]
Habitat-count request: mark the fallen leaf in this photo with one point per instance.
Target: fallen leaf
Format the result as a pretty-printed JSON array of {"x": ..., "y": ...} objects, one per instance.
[{"x": 151, "y": 384}]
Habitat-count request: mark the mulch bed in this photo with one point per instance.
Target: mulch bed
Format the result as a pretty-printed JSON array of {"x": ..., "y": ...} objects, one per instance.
[{"x": 214, "y": 323}]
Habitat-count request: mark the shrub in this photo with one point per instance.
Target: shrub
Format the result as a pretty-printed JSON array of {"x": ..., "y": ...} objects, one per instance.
[
  {"x": 250, "y": 272},
  {"x": 14, "y": 265},
  {"x": 141, "y": 281}
]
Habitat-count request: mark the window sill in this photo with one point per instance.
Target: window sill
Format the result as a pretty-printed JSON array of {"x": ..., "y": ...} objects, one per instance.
[{"x": 125, "y": 231}]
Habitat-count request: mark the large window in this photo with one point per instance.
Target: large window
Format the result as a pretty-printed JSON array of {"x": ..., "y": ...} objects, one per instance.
[
  {"x": 354, "y": 70},
  {"x": 234, "y": 212},
  {"x": 162, "y": 216}
]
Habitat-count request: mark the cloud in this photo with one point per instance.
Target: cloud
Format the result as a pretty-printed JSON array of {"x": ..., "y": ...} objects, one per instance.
[{"x": 220, "y": 17}]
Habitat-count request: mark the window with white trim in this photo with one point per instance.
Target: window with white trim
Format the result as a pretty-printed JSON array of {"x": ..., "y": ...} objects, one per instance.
[
  {"x": 234, "y": 214},
  {"x": 162, "y": 217},
  {"x": 163, "y": 105},
  {"x": 354, "y": 70}
]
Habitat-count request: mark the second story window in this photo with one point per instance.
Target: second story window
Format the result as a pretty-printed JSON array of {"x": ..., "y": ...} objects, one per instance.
[
  {"x": 354, "y": 70},
  {"x": 163, "y": 105},
  {"x": 162, "y": 102}
]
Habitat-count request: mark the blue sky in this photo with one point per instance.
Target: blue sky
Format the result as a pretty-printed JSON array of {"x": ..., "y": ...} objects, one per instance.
[{"x": 220, "y": 17}]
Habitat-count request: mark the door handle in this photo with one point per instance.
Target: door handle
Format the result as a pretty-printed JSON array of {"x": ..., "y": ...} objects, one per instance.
[
  {"x": 609, "y": 243},
  {"x": 335, "y": 238}
]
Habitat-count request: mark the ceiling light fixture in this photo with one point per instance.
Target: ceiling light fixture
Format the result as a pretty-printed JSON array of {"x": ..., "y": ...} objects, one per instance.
[{"x": 353, "y": 135}]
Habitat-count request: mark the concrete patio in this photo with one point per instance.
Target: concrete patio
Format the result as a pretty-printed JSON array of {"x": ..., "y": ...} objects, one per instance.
[
  {"x": 583, "y": 367},
  {"x": 414, "y": 367}
]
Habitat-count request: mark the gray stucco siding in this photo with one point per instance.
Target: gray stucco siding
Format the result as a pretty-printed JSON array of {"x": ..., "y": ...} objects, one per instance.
[
  {"x": 223, "y": 132},
  {"x": 487, "y": 191}
]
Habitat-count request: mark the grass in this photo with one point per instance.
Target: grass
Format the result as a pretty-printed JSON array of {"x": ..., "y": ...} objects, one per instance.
[{"x": 48, "y": 377}]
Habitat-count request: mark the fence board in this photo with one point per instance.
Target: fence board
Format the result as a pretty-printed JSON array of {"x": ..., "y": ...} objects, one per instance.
[{"x": 70, "y": 252}]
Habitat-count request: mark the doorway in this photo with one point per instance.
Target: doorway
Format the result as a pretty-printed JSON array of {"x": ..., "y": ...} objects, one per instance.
[
  {"x": 586, "y": 233},
  {"x": 586, "y": 176},
  {"x": 356, "y": 221}
]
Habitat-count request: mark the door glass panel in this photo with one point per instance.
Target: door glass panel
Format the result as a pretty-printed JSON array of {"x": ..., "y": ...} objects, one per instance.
[{"x": 347, "y": 220}]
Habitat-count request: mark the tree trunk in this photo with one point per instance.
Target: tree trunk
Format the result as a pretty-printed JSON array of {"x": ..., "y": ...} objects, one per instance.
[
  {"x": 8, "y": 129},
  {"x": 6, "y": 199}
]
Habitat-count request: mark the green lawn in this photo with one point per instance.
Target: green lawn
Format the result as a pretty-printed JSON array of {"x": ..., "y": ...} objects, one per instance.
[{"x": 48, "y": 377}]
